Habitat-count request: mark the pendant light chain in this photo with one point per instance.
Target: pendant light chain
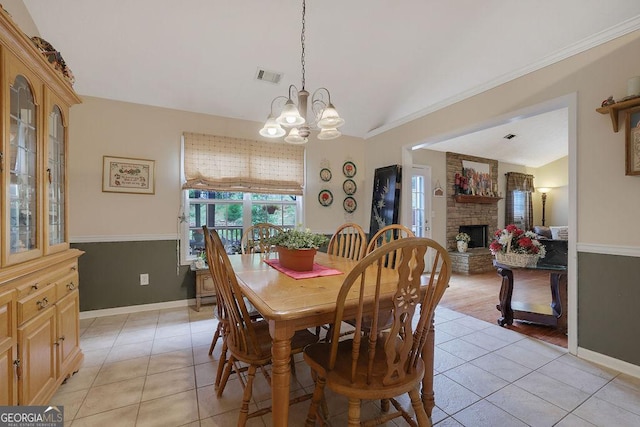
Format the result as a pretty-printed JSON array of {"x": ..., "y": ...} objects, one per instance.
[
  {"x": 322, "y": 115},
  {"x": 304, "y": 8}
]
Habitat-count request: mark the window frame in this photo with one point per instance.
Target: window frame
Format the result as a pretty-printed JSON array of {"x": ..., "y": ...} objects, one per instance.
[{"x": 184, "y": 224}]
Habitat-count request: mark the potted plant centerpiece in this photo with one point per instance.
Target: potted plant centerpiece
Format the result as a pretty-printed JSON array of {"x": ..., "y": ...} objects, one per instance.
[
  {"x": 462, "y": 242},
  {"x": 297, "y": 248},
  {"x": 515, "y": 247}
]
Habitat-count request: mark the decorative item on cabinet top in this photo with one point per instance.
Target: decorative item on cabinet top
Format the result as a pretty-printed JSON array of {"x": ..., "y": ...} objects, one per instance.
[{"x": 54, "y": 57}]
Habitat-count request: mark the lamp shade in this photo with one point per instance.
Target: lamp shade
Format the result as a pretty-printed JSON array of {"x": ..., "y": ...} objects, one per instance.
[
  {"x": 294, "y": 137},
  {"x": 272, "y": 129},
  {"x": 290, "y": 115},
  {"x": 543, "y": 189},
  {"x": 330, "y": 118},
  {"x": 329, "y": 133}
]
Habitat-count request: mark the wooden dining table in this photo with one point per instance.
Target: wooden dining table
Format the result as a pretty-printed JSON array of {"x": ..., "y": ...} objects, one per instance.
[{"x": 289, "y": 305}]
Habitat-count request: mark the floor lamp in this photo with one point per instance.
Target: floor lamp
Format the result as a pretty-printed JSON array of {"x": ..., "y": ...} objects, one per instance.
[{"x": 544, "y": 192}]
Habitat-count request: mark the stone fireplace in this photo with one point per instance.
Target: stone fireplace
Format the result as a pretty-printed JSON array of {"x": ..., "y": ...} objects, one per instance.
[{"x": 478, "y": 217}]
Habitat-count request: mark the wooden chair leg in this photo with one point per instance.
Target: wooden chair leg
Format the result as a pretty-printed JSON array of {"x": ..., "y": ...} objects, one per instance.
[
  {"x": 354, "y": 413},
  {"x": 217, "y": 335},
  {"x": 318, "y": 396},
  {"x": 384, "y": 405},
  {"x": 221, "y": 363},
  {"x": 225, "y": 376},
  {"x": 418, "y": 408},
  {"x": 246, "y": 397}
]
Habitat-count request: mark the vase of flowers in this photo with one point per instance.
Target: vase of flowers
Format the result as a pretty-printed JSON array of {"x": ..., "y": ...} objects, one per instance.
[
  {"x": 516, "y": 247},
  {"x": 297, "y": 248},
  {"x": 462, "y": 242}
]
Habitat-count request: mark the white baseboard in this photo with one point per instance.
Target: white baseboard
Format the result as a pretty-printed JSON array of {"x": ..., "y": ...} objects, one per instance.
[
  {"x": 136, "y": 308},
  {"x": 609, "y": 362}
]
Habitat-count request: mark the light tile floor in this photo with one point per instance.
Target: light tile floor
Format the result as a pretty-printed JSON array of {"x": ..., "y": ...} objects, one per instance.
[{"x": 152, "y": 369}]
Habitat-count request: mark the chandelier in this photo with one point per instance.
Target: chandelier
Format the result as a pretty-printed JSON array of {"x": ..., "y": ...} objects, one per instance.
[{"x": 294, "y": 117}]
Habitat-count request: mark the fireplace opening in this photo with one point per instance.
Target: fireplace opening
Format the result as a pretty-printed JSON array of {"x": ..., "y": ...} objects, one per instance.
[{"x": 478, "y": 234}]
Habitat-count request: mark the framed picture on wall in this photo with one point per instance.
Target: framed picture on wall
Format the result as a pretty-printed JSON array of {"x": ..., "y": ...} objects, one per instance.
[
  {"x": 385, "y": 205},
  {"x": 632, "y": 141},
  {"x": 126, "y": 175}
]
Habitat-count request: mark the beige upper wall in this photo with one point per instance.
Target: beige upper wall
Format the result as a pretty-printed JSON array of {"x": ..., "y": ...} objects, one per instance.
[
  {"x": 21, "y": 16},
  {"x": 102, "y": 127},
  {"x": 600, "y": 152}
]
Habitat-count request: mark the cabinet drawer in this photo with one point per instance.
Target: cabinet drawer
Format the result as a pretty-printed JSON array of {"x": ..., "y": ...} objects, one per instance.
[
  {"x": 207, "y": 283},
  {"x": 67, "y": 284},
  {"x": 33, "y": 304},
  {"x": 37, "y": 282}
]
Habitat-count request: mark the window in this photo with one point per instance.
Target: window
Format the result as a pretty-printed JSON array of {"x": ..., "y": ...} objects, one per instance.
[
  {"x": 230, "y": 214},
  {"x": 231, "y": 183},
  {"x": 520, "y": 208}
]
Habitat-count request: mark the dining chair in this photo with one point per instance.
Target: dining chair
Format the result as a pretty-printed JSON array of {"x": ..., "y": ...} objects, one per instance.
[
  {"x": 254, "y": 239},
  {"x": 211, "y": 247},
  {"x": 349, "y": 241},
  {"x": 385, "y": 235},
  {"x": 248, "y": 341},
  {"x": 383, "y": 366}
]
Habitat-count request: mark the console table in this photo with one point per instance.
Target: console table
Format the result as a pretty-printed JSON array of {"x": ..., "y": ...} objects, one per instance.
[{"x": 554, "y": 315}]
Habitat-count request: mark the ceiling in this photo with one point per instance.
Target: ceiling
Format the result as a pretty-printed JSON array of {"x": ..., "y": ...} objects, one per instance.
[{"x": 384, "y": 62}]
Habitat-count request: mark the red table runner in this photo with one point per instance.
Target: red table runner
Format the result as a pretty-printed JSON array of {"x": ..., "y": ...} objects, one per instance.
[{"x": 318, "y": 270}]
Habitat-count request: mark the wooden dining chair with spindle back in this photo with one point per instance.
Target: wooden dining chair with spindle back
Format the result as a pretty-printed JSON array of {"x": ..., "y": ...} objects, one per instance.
[
  {"x": 385, "y": 235},
  {"x": 349, "y": 241},
  {"x": 385, "y": 365},
  {"x": 256, "y": 238},
  {"x": 248, "y": 341}
]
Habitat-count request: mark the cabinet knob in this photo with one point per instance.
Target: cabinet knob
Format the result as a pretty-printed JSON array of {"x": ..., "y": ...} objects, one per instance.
[
  {"x": 71, "y": 286},
  {"x": 42, "y": 303},
  {"x": 49, "y": 175},
  {"x": 73, "y": 268},
  {"x": 34, "y": 287}
]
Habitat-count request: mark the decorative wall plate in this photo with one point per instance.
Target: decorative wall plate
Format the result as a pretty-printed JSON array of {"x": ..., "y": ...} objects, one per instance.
[
  {"x": 349, "y": 204},
  {"x": 349, "y": 169},
  {"x": 349, "y": 187},
  {"x": 325, "y": 174},
  {"x": 325, "y": 197}
]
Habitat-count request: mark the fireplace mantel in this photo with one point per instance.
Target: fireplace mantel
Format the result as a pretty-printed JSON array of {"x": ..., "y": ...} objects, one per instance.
[{"x": 470, "y": 198}]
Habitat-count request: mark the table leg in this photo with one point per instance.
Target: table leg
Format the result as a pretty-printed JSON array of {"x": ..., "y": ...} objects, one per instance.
[
  {"x": 280, "y": 373},
  {"x": 558, "y": 282},
  {"x": 428, "y": 398},
  {"x": 506, "y": 292}
]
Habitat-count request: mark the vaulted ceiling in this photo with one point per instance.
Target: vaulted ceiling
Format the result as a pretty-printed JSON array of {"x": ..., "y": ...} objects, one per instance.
[{"x": 384, "y": 62}]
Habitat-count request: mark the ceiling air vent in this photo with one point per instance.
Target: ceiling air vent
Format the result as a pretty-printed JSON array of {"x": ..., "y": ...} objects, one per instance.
[
  {"x": 509, "y": 136},
  {"x": 268, "y": 76}
]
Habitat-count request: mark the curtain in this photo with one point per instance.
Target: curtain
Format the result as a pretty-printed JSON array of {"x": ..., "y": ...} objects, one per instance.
[
  {"x": 519, "y": 182},
  {"x": 221, "y": 163}
]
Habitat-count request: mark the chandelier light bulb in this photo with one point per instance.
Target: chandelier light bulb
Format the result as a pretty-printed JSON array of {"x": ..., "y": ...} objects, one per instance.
[
  {"x": 294, "y": 137},
  {"x": 290, "y": 115},
  {"x": 329, "y": 133},
  {"x": 272, "y": 129},
  {"x": 330, "y": 118}
]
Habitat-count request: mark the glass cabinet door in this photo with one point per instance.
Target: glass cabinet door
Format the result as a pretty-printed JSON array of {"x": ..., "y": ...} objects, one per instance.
[
  {"x": 23, "y": 194},
  {"x": 56, "y": 178}
]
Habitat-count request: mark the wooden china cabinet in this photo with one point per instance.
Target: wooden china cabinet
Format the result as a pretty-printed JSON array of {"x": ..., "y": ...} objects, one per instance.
[{"x": 39, "y": 300}]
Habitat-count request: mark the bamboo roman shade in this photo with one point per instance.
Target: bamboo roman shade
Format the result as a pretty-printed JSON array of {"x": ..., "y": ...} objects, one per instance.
[{"x": 222, "y": 163}]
